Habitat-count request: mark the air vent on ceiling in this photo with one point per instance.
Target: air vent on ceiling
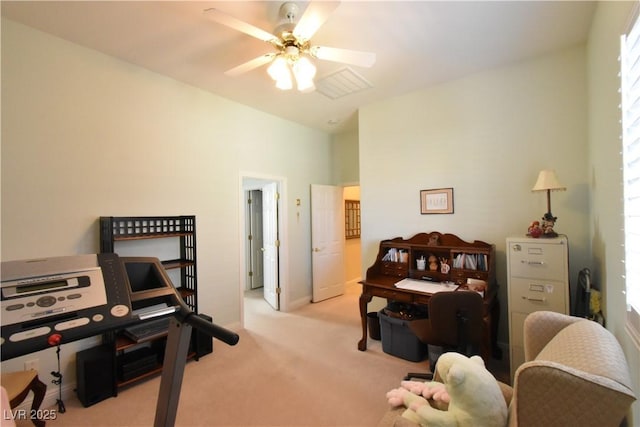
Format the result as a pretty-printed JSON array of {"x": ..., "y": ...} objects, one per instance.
[{"x": 341, "y": 83}]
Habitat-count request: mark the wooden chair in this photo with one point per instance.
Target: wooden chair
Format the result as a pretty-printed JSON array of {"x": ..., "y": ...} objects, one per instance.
[
  {"x": 454, "y": 323},
  {"x": 18, "y": 384}
]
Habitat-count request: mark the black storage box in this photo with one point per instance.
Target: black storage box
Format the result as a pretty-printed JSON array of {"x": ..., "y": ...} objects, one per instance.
[
  {"x": 373, "y": 324},
  {"x": 137, "y": 362},
  {"x": 399, "y": 340}
]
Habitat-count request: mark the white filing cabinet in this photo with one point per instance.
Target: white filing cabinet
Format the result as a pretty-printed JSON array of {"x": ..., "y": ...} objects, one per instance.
[{"x": 538, "y": 279}]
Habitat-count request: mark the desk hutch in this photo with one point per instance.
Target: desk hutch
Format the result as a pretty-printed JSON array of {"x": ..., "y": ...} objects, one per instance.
[{"x": 397, "y": 259}]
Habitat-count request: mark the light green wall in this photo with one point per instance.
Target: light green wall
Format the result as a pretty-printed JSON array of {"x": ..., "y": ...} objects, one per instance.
[
  {"x": 605, "y": 176},
  {"x": 487, "y": 136},
  {"x": 85, "y": 135},
  {"x": 345, "y": 163}
]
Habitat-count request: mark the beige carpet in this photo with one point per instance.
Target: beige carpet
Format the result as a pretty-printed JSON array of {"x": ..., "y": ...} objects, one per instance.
[{"x": 289, "y": 369}]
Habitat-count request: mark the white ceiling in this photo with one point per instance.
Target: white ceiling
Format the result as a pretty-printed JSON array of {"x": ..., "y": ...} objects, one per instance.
[{"x": 417, "y": 43}]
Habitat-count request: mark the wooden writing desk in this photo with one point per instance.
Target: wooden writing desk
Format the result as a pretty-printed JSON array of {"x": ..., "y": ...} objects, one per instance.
[{"x": 448, "y": 249}]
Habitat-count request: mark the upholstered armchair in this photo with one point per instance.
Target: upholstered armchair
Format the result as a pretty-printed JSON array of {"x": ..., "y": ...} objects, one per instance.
[{"x": 575, "y": 374}]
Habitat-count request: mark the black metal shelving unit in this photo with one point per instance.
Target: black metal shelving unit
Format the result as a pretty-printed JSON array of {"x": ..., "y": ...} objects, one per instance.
[{"x": 126, "y": 228}]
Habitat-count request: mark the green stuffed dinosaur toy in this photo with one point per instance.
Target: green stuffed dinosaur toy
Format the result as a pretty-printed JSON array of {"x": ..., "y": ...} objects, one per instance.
[{"x": 473, "y": 395}]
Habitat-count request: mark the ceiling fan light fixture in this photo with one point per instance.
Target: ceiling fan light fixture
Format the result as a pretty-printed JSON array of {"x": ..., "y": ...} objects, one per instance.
[
  {"x": 278, "y": 68},
  {"x": 305, "y": 86},
  {"x": 282, "y": 68},
  {"x": 292, "y": 41},
  {"x": 284, "y": 83},
  {"x": 280, "y": 72},
  {"x": 304, "y": 72},
  {"x": 304, "y": 69}
]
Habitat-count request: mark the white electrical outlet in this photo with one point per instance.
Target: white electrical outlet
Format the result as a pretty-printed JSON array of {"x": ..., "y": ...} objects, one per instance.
[{"x": 31, "y": 364}]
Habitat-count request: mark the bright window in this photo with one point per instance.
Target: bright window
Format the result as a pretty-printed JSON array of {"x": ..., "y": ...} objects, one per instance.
[{"x": 630, "y": 90}]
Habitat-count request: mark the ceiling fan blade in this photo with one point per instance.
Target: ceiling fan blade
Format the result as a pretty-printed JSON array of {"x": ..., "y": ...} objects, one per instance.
[
  {"x": 232, "y": 22},
  {"x": 316, "y": 14},
  {"x": 250, "y": 65},
  {"x": 352, "y": 57}
]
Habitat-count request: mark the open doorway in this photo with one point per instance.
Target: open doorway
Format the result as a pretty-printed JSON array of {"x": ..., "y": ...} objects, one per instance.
[
  {"x": 254, "y": 240},
  {"x": 353, "y": 249},
  {"x": 262, "y": 236}
]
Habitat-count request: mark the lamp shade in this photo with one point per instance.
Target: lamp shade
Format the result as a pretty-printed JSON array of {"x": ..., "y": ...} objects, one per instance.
[
  {"x": 279, "y": 70},
  {"x": 547, "y": 180},
  {"x": 285, "y": 64},
  {"x": 304, "y": 72}
]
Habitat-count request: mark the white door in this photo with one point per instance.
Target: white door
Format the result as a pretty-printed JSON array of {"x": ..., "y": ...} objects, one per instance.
[
  {"x": 270, "y": 244},
  {"x": 327, "y": 241},
  {"x": 254, "y": 237}
]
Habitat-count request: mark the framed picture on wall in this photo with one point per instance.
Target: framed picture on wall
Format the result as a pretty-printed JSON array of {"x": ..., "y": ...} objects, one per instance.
[{"x": 436, "y": 201}]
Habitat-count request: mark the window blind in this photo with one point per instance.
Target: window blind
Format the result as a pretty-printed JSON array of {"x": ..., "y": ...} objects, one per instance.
[{"x": 630, "y": 91}]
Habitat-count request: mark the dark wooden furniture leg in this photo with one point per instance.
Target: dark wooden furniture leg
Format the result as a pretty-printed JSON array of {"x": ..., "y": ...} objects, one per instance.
[
  {"x": 39, "y": 389},
  {"x": 364, "y": 300}
]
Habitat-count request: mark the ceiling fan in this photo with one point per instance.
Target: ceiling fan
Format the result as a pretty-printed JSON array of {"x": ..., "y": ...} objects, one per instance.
[{"x": 292, "y": 42}]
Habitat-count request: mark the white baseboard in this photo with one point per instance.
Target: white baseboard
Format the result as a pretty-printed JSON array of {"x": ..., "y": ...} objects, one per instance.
[
  {"x": 354, "y": 282},
  {"x": 233, "y": 326},
  {"x": 300, "y": 302}
]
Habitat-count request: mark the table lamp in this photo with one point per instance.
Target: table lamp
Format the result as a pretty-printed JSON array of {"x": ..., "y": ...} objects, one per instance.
[{"x": 548, "y": 181}]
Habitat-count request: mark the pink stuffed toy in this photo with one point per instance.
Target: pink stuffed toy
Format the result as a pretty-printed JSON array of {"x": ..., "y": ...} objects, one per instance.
[
  {"x": 433, "y": 390},
  {"x": 473, "y": 394}
]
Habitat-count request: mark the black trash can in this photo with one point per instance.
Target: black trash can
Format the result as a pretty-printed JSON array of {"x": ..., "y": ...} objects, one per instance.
[
  {"x": 399, "y": 340},
  {"x": 373, "y": 323}
]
